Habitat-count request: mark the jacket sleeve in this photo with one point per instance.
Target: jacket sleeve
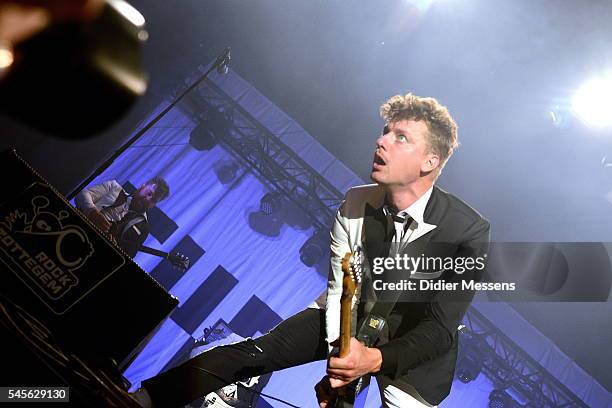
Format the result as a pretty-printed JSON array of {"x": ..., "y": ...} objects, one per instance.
[
  {"x": 86, "y": 200},
  {"x": 339, "y": 246},
  {"x": 434, "y": 334}
]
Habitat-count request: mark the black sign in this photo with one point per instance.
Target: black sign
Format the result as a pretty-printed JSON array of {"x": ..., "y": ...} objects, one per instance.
[{"x": 52, "y": 249}]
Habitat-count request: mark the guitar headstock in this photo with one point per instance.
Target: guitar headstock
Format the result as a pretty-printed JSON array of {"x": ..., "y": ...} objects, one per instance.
[
  {"x": 179, "y": 260},
  {"x": 352, "y": 268}
]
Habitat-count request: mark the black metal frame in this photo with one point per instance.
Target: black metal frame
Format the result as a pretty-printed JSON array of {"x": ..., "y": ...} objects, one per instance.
[
  {"x": 510, "y": 367},
  {"x": 273, "y": 161}
]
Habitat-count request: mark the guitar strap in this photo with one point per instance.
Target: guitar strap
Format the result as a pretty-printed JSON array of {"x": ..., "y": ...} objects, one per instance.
[
  {"x": 129, "y": 224},
  {"x": 376, "y": 312}
]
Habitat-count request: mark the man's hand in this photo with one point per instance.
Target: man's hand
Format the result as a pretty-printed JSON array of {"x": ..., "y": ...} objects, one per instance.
[
  {"x": 99, "y": 220},
  {"x": 360, "y": 361},
  {"x": 326, "y": 395}
]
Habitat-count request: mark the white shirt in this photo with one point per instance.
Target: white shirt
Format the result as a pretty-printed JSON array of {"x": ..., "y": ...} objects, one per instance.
[{"x": 416, "y": 211}]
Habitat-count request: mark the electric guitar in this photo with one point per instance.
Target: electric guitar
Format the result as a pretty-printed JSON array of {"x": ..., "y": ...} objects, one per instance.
[
  {"x": 352, "y": 274},
  {"x": 177, "y": 259}
]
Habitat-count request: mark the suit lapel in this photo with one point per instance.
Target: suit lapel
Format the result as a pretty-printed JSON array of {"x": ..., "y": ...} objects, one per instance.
[
  {"x": 418, "y": 246},
  {"x": 376, "y": 232},
  {"x": 376, "y": 243}
]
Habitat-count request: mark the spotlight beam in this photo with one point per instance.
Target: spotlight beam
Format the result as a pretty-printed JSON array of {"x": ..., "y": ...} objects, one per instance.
[{"x": 592, "y": 103}]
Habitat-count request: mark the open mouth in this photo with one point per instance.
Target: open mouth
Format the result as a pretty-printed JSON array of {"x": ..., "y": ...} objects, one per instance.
[{"x": 378, "y": 160}]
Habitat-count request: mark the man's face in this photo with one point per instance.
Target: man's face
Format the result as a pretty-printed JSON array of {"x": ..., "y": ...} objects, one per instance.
[
  {"x": 144, "y": 198},
  {"x": 401, "y": 154}
]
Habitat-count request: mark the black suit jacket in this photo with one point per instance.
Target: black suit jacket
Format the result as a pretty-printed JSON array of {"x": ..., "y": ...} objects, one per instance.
[{"x": 422, "y": 349}]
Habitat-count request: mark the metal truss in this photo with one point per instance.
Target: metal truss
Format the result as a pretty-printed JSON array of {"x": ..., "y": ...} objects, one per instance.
[
  {"x": 511, "y": 368},
  {"x": 276, "y": 164}
]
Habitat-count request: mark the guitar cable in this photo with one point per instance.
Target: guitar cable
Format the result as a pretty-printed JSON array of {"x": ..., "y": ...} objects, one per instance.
[{"x": 244, "y": 387}]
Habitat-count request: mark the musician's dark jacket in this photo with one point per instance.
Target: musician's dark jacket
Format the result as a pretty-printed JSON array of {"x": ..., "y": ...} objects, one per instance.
[{"x": 423, "y": 326}]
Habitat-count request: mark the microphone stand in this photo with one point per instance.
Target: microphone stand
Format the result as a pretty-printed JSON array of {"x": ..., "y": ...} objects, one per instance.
[{"x": 220, "y": 64}]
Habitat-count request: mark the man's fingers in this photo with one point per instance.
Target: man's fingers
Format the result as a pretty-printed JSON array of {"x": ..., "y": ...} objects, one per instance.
[
  {"x": 336, "y": 383},
  {"x": 341, "y": 369},
  {"x": 99, "y": 220},
  {"x": 105, "y": 225},
  {"x": 325, "y": 394},
  {"x": 340, "y": 363},
  {"x": 104, "y": 222},
  {"x": 342, "y": 374}
]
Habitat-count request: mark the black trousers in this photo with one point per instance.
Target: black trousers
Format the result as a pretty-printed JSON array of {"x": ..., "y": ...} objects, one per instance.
[{"x": 298, "y": 340}]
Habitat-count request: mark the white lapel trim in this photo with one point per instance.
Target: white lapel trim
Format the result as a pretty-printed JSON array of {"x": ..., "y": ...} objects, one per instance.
[{"x": 422, "y": 229}]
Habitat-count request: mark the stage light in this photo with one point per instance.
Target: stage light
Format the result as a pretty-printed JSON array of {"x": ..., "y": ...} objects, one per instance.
[
  {"x": 268, "y": 220},
  {"x": 469, "y": 367},
  {"x": 215, "y": 124},
  {"x": 501, "y": 399},
  {"x": 6, "y": 57},
  {"x": 129, "y": 12},
  {"x": 264, "y": 224},
  {"x": 271, "y": 203},
  {"x": 592, "y": 103},
  {"x": 472, "y": 351},
  {"x": 202, "y": 138},
  {"x": 226, "y": 170},
  {"x": 314, "y": 248}
]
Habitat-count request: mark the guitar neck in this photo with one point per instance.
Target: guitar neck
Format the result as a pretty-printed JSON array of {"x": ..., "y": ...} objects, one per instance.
[
  {"x": 345, "y": 327},
  {"x": 153, "y": 251}
]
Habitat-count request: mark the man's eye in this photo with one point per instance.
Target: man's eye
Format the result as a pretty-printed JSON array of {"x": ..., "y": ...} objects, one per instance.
[{"x": 401, "y": 138}]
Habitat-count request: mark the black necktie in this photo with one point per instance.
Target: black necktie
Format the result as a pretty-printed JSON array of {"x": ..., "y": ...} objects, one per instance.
[{"x": 398, "y": 217}]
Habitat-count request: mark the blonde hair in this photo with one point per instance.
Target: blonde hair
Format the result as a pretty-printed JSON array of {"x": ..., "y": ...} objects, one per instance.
[{"x": 442, "y": 130}]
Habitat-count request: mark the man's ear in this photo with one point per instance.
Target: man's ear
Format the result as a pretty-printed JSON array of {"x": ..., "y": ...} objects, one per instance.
[{"x": 430, "y": 163}]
